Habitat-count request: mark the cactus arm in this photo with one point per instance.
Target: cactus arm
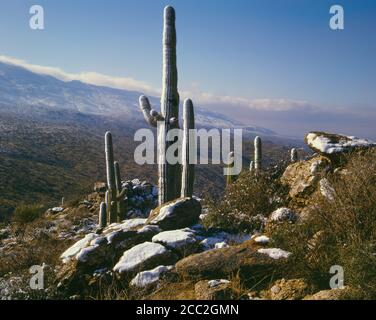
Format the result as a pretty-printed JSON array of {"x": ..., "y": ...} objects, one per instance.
[
  {"x": 188, "y": 174},
  {"x": 151, "y": 116}
]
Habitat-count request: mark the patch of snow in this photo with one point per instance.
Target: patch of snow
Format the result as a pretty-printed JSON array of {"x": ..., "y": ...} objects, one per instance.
[
  {"x": 275, "y": 253},
  {"x": 220, "y": 237},
  {"x": 146, "y": 278},
  {"x": 221, "y": 245},
  {"x": 57, "y": 209},
  {"x": 125, "y": 225},
  {"x": 176, "y": 238},
  {"x": 165, "y": 212},
  {"x": 217, "y": 282},
  {"x": 77, "y": 247},
  {"x": 136, "y": 256},
  {"x": 262, "y": 239}
]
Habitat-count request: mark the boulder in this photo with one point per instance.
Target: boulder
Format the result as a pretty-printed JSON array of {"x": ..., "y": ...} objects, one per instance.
[
  {"x": 293, "y": 289},
  {"x": 219, "y": 289},
  {"x": 247, "y": 259},
  {"x": 302, "y": 177},
  {"x": 149, "y": 278},
  {"x": 331, "y": 144},
  {"x": 144, "y": 256},
  {"x": 183, "y": 240},
  {"x": 176, "y": 214}
]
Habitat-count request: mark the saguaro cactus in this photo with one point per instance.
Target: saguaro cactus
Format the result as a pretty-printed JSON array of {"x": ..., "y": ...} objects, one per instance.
[
  {"x": 111, "y": 183},
  {"x": 169, "y": 179},
  {"x": 294, "y": 155},
  {"x": 189, "y": 146},
  {"x": 258, "y": 153},
  {"x": 102, "y": 215}
]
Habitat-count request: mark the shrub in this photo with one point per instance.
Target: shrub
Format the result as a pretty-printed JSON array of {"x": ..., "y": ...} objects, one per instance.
[
  {"x": 246, "y": 203},
  {"x": 340, "y": 231},
  {"x": 26, "y": 213}
]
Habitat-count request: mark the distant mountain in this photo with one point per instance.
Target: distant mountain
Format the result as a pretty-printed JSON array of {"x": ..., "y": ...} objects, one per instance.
[{"x": 21, "y": 88}]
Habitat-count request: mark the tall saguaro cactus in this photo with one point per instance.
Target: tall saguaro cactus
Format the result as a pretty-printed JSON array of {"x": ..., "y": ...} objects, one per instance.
[
  {"x": 258, "y": 153},
  {"x": 111, "y": 183},
  {"x": 189, "y": 146},
  {"x": 169, "y": 179}
]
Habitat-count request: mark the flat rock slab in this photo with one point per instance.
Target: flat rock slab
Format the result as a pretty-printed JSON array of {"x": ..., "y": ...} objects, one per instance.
[{"x": 143, "y": 257}]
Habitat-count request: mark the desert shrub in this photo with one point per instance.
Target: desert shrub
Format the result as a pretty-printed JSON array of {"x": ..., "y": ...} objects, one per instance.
[
  {"x": 341, "y": 231},
  {"x": 246, "y": 203},
  {"x": 26, "y": 213}
]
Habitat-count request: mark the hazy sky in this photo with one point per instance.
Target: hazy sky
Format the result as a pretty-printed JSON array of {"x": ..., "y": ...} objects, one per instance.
[{"x": 270, "y": 63}]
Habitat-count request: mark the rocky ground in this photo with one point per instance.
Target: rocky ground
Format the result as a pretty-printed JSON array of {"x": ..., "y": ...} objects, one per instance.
[{"x": 168, "y": 252}]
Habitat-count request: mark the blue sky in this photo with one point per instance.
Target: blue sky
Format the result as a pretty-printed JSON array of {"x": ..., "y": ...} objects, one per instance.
[{"x": 265, "y": 62}]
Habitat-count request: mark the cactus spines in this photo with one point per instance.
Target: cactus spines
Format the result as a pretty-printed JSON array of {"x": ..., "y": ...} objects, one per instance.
[
  {"x": 258, "y": 153},
  {"x": 188, "y": 173},
  {"x": 294, "y": 155},
  {"x": 102, "y": 215},
  {"x": 169, "y": 179}
]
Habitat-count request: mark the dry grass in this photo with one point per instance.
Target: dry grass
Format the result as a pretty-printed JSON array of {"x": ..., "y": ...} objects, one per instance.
[{"x": 340, "y": 231}]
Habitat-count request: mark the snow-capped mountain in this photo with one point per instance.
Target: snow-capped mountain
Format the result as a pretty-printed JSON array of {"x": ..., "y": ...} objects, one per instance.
[{"x": 20, "y": 87}]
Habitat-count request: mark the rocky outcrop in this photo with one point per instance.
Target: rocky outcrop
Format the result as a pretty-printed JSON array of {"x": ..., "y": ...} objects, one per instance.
[
  {"x": 302, "y": 178},
  {"x": 331, "y": 144},
  {"x": 180, "y": 213}
]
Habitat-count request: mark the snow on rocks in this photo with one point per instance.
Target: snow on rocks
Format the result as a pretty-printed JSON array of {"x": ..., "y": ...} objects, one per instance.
[
  {"x": 219, "y": 239},
  {"x": 283, "y": 214},
  {"x": 74, "y": 250},
  {"x": 327, "y": 143},
  {"x": 275, "y": 253},
  {"x": 176, "y": 239},
  {"x": 263, "y": 240},
  {"x": 150, "y": 277},
  {"x": 57, "y": 209},
  {"x": 217, "y": 282},
  {"x": 143, "y": 257},
  {"x": 176, "y": 214}
]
